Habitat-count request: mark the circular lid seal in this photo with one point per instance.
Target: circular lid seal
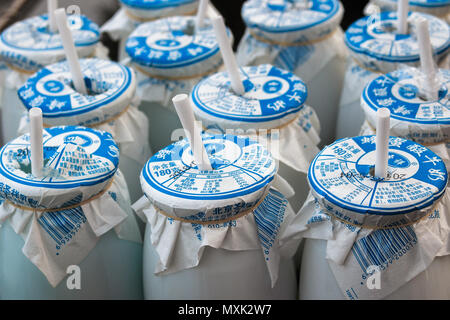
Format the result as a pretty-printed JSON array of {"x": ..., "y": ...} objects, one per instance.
[
  {"x": 145, "y": 9},
  {"x": 340, "y": 179},
  {"x": 30, "y": 45},
  {"x": 412, "y": 117},
  {"x": 292, "y": 21},
  {"x": 111, "y": 85},
  {"x": 78, "y": 163},
  {"x": 243, "y": 170},
  {"x": 171, "y": 46},
  {"x": 273, "y": 97},
  {"x": 374, "y": 42}
]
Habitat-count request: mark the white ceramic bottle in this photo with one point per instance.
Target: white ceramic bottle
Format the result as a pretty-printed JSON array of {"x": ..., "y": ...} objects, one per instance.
[
  {"x": 171, "y": 56},
  {"x": 215, "y": 234},
  {"x": 371, "y": 238},
  {"x": 302, "y": 37},
  {"x": 70, "y": 233},
  {"x": 272, "y": 111},
  {"x": 377, "y": 48},
  {"x": 111, "y": 106},
  {"x": 28, "y": 46}
]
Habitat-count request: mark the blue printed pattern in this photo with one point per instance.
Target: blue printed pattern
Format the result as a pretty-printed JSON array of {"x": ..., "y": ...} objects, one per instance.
[
  {"x": 373, "y": 37},
  {"x": 271, "y": 93},
  {"x": 421, "y": 3},
  {"x": 62, "y": 226},
  {"x": 155, "y": 4},
  {"x": 383, "y": 247},
  {"x": 269, "y": 217}
]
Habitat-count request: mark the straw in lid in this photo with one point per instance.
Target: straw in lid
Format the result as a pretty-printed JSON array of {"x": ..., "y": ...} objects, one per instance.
[
  {"x": 292, "y": 21},
  {"x": 375, "y": 42},
  {"x": 273, "y": 98},
  {"x": 173, "y": 48},
  {"x": 112, "y": 87},
  {"x": 341, "y": 180},
  {"x": 29, "y": 44},
  {"x": 145, "y": 9},
  {"x": 412, "y": 116},
  {"x": 78, "y": 163},
  {"x": 242, "y": 172}
]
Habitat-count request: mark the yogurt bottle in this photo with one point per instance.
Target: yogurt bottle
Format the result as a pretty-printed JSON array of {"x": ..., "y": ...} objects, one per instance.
[
  {"x": 413, "y": 116},
  {"x": 170, "y": 57},
  {"x": 438, "y": 8},
  {"x": 376, "y": 48},
  {"x": 71, "y": 228},
  {"x": 272, "y": 111},
  {"x": 134, "y": 12},
  {"x": 305, "y": 40},
  {"x": 29, "y": 45},
  {"x": 215, "y": 234},
  {"x": 111, "y": 106},
  {"x": 368, "y": 238}
]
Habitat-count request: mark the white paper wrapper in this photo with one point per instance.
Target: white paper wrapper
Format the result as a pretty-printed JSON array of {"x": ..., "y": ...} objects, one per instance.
[
  {"x": 180, "y": 245},
  {"x": 439, "y": 8},
  {"x": 113, "y": 108},
  {"x": 400, "y": 253},
  {"x": 80, "y": 173}
]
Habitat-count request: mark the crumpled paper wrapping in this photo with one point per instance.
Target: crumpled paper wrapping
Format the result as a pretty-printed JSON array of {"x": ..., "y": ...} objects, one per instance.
[
  {"x": 350, "y": 250},
  {"x": 305, "y": 60},
  {"x": 180, "y": 245},
  {"x": 55, "y": 240}
]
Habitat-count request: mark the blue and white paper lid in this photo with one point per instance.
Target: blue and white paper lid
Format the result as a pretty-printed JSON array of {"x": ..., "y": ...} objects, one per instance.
[
  {"x": 173, "y": 47},
  {"x": 111, "y": 87},
  {"x": 412, "y": 117},
  {"x": 153, "y": 9},
  {"x": 273, "y": 97},
  {"x": 29, "y": 45},
  {"x": 292, "y": 21},
  {"x": 243, "y": 170},
  {"x": 340, "y": 179},
  {"x": 78, "y": 163},
  {"x": 416, "y": 3},
  {"x": 374, "y": 42}
]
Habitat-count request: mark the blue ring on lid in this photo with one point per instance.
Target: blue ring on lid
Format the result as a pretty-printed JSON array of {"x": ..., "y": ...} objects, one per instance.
[
  {"x": 340, "y": 174},
  {"x": 283, "y": 94},
  {"x": 98, "y": 158},
  {"x": 399, "y": 92},
  {"x": 113, "y": 86},
  {"x": 241, "y": 166},
  {"x": 261, "y": 14},
  {"x": 164, "y": 44},
  {"x": 425, "y": 3},
  {"x": 368, "y": 36},
  {"x": 155, "y": 4}
]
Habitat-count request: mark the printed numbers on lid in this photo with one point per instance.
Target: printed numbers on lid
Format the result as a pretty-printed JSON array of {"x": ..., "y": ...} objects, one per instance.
[
  {"x": 33, "y": 34},
  {"x": 271, "y": 93},
  {"x": 289, "y": 15},
  {"x": 342, "y": 174},
  {"x": 171, "y": 43},
  {"x": 73, "y": 157},
  {"x": 376, "y": 36},
  {"x": 241, "y": 166},
  {"x": 155, "y": 4},
  {"x": 400, "y": 91},
  {"x": 50, "y": 89}
]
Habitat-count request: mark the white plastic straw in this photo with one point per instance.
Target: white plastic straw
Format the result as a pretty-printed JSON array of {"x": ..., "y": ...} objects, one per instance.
[
  {"x": 193, "y": 132},
  {"x": 70, "y": 51},
  {"x": 426, "y": 59},
  {"x": 382, "y": 142},
  {"x": 51, "y": 7},
  {"x": 201, "y": 13},
  {"x": 402, "y": 16},
  {"x": 228, "y": 56},
  {"x": 37, "y": 149}
]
